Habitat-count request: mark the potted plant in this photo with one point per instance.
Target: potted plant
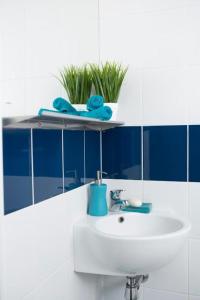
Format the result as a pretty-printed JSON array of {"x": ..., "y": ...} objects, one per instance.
[
  {"x": 107, "y": 80},
  {"x": 77, "y": 82}
]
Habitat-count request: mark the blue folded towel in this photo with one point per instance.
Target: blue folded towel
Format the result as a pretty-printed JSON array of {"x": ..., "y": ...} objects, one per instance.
[
  {"x": 95, "y": 102},
  {"x": 63, "y": 105},
  {"x": 103, "y": 113},
  {"x": 40, "y": 113}
]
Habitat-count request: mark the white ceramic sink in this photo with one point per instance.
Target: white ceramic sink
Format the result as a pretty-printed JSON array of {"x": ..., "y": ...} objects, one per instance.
[{"x": 127, "y": 243}]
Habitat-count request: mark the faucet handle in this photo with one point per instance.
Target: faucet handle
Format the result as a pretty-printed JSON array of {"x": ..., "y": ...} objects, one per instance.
[{"x": 116, "y": 194}]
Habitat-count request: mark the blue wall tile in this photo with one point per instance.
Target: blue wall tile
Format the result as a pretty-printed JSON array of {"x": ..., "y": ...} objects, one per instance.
[
  {"x": 92, "y": 154},
  {"x": 47, "y": 157},
  {"x": 194, "y": 153},
  {"x": 122, "y": 152},
  {"x": 73, "y": 159},
  {"x": 17, "y": 169},
  {"x": 165, "y": 153},
  {"x": 164, "y": 157}
]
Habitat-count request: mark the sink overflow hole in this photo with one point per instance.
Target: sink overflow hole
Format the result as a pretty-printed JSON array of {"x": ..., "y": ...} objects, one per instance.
[{"x": 121, "y": 219}]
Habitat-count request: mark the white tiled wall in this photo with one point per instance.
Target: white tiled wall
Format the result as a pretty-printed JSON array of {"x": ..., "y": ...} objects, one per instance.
[
  {"x": 194, "y": 250},
  {"x": 160, "y": 41},
  {"x": 38, "y": 38},
  {"x": 164, "y": 295},
  {"x": 38, "y": 251}
]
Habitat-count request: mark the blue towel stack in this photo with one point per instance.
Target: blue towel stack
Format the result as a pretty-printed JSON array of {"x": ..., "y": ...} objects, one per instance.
[{"x": 95, "y": 108}]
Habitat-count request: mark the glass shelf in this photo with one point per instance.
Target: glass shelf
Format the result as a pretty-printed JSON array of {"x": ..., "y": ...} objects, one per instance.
[{"x": 51, "y": 120}]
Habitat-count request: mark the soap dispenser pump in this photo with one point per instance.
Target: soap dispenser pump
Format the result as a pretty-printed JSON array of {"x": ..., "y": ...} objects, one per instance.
[{"x": 97, "y": 198}]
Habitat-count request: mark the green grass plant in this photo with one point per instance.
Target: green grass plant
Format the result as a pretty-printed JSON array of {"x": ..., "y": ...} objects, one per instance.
[
  {"x": 107, "y": 80},
  {"x": 77, "y": 82}
]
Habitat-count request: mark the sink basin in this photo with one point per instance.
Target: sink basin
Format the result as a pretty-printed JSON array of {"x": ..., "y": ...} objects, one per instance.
[{"x": 127, "y": 243}]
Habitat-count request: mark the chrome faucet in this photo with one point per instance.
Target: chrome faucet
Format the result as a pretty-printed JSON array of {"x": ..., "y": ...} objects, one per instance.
[{"x": 116, "y": 202}]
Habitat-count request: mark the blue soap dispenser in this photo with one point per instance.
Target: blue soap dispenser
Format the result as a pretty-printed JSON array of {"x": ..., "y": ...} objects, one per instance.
[{"x": 97, "y": 198}]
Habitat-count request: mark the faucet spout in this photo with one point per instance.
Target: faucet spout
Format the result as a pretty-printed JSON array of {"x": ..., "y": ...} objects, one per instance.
[{"x": 116, "y": 202}]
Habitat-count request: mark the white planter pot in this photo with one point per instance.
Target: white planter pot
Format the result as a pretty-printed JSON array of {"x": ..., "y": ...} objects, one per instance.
[
  {"x": 80, "y": 107},
  {"x": 113, "y": 106}
]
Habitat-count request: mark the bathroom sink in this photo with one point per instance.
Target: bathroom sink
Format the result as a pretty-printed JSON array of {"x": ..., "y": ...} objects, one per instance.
[{"x": 127, "y": 243}]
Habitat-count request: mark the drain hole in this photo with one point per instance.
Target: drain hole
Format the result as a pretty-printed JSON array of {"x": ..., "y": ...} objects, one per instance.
[{"x": 121, "y": 219}]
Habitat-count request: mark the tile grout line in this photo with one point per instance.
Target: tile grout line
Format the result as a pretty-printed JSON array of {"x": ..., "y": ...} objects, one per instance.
[
  {"x": 188, "y": 265},
  {"x": 142, "y": 161},
  {"x": 188, "y": 213},
  {"x": 32, "y": 169},
  {"x": 84, "y": 157},
  {"x": 188, "y": 170},
  {"x": 168, "y": 291},
  {"x": 101, "y": 163},
  {"x": 63, "y": 163},
  {"x": 188, "y": 137}
]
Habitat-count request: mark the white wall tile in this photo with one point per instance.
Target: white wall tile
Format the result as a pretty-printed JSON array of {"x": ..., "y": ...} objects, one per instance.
[
  {"x": 52, "y": 288},
  {"x": 192, "y": 93},
  {"x": 40, "y": 93},
  {"x": 167, "y": 196},
  {"x": 194, "y": 208},
  {"x": 194, "y": 297},
  {"x": 65, "y": 283},
  {"x": 76, "y": 204},
  {"x": 163, "y": 97},
  {"x": 117, "y": 7},
  {"x": 59, "y": 33},
  {"x": 43, "y": 37},
  {"x": 18, "y": 270},
  {"x": 13, "y": 97},
  {"x": 146, "y": 39},
  {"x": 50, "y": 236},
  {"x": 192, "y": 33},
  {"x": 86, "y": 284},
  {"x": 130, "y": 100},
  {"x": 100, "y": 287},
  {"x": 13, "y": 39},
  {"x": 194, "y": 265},
  {"x": 128, "y": 49},
  {"x": 82, "y": 31},
  {"x": 1, "y": 54},
  {"x": 157, "y": 295},
  {"x": 174, "y": 276}
]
